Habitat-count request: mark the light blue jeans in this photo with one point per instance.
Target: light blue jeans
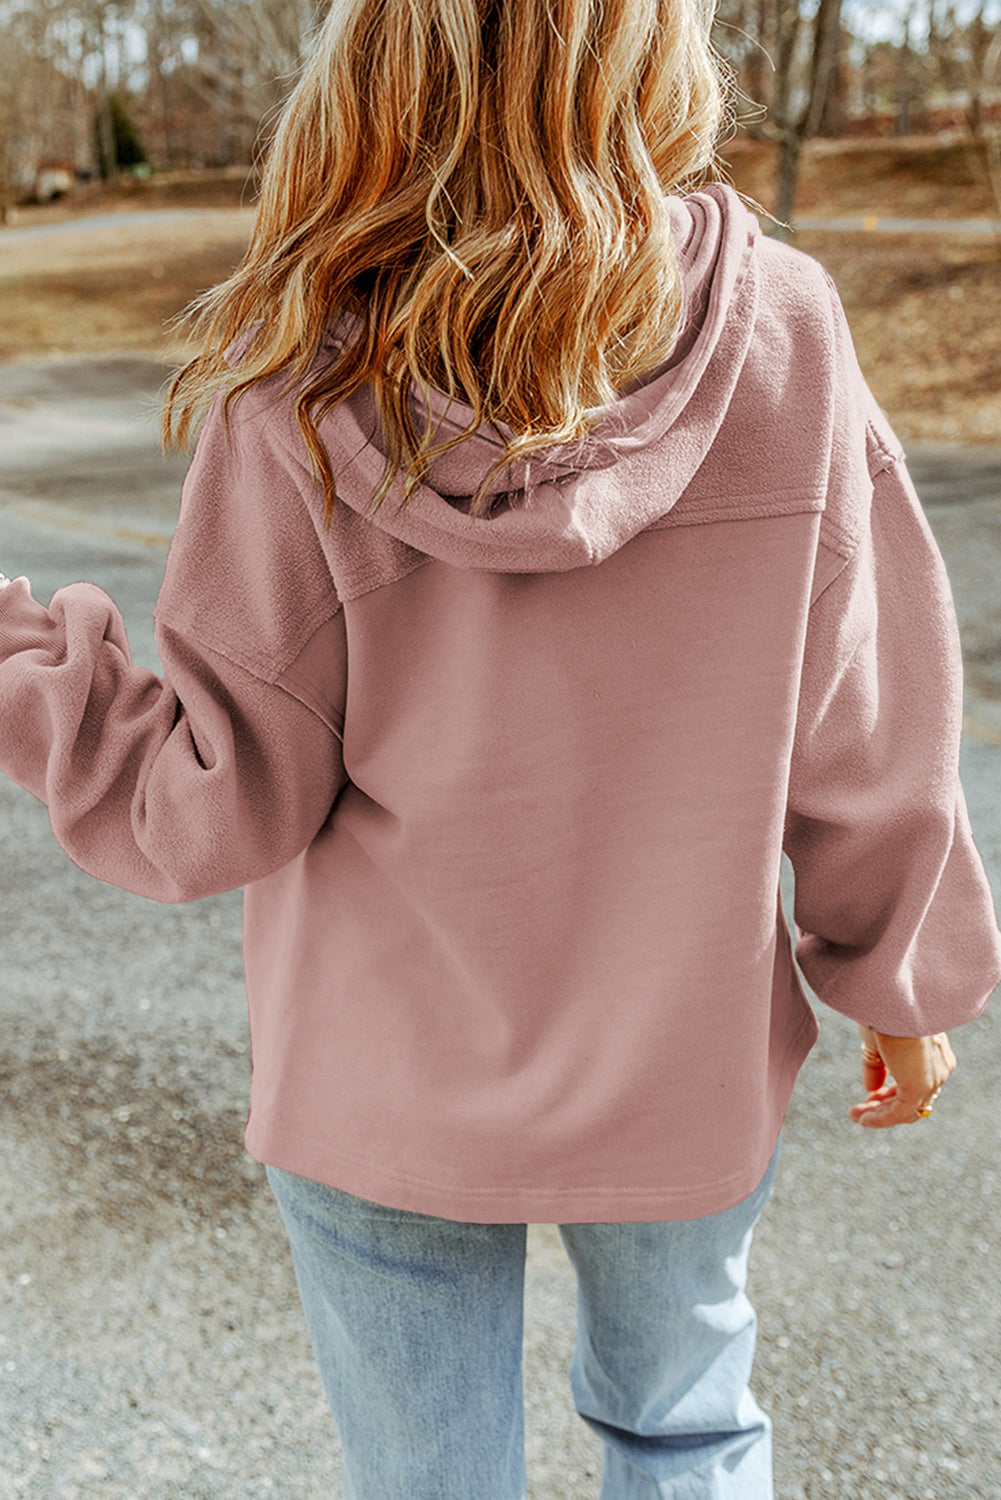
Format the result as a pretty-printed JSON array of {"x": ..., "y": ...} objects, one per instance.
[{"x": 417, "y": 1327}]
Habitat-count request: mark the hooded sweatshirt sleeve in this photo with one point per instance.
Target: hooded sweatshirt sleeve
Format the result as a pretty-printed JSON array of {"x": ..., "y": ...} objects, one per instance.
[
  {"x": 223, "y": 769},
  {"x": 894, "y": 916}
]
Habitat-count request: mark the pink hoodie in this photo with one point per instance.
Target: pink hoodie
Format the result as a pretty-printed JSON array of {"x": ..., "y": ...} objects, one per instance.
[{"x": 509, "y": 794}]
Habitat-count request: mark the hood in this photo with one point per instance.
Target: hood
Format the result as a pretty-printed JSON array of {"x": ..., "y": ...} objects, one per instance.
[{"x": 574, "y": 505}]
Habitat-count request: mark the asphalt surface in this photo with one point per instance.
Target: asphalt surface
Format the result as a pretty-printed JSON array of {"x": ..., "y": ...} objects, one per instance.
[
  {"x": 849, "y": 224},
  {"x": 130, "y": 218},
  {"x": 885, "y": 224},
  {"x": 150, "y": 1339}
]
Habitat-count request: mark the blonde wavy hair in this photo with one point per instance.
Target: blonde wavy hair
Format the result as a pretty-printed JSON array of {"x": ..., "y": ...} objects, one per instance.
[{"x": 482, "y": 184}]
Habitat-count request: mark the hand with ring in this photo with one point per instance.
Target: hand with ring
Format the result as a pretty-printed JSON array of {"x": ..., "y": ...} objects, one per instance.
[{"x": 903, "y": 1077}]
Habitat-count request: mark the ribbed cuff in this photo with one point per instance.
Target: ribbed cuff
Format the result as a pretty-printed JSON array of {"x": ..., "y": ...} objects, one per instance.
[{"x": 15, "y": 594}]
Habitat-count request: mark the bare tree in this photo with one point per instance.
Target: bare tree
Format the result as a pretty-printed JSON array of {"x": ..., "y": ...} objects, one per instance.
[
  {"x": 37, "y": 99},
  {"x": 806, "y": 53},
  {"x": 206, "y": 82},
  {"x": 12, "y": 113},
  {"x": 162, "y": 59},
  {"x": 740, "y": 33},
  {"x": 249, "y": 55},
  {"x": 966, "y": 57},
  {"x": 785, "y": 53},
  {"x": 906, "y": 71}
]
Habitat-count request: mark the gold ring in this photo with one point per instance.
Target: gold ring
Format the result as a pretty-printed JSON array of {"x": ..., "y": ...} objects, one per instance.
[{"x": 925, "y": 1109}]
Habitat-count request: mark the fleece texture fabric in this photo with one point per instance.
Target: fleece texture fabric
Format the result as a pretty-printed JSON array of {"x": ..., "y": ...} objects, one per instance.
[{"x": 509, "y": 793}]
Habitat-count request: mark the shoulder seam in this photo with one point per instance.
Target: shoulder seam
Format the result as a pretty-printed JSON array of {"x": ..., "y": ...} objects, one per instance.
[
  {"x": 270, "y": 672},
  {"x": 417, "y": 559}
]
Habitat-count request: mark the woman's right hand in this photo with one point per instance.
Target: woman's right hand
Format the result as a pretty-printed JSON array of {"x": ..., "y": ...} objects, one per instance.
[{"x": 902, "y": 1075}]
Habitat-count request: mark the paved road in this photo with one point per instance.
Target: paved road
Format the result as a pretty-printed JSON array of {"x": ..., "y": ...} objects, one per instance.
[
  {"x": 873, "y": 223},
  {"x": 98, "y": 223},
  {"x": 150, "y": 1341},
  {"x": 877, "y": 223}
]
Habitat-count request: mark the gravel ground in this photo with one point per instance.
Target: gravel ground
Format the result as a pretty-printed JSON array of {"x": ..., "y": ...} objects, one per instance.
[{"x": 151, "y": 1343}]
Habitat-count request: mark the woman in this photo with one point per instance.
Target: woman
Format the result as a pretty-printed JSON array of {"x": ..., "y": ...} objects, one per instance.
[{"x": 543, "y": 570}]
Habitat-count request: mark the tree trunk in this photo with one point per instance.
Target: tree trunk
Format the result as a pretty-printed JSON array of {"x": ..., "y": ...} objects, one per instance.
[
  {"x": 833, "y": 110},
  {"x": 790, "y": 151},
  {"x": 794, "y": 128},
  {"x": 826, "y": 46},
  {"x": 107, "y": 147},
  {"x": 757, "y": 57},
  {"x": 904, "y": 80}
]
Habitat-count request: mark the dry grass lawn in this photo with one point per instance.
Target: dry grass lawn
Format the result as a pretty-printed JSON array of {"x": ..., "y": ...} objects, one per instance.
[
  {"x": 925, "y": 310},
  {"x": 914, "y": 177},
  {"x": 107, "y": 289},
  {"x": 925, "y": 314}
]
